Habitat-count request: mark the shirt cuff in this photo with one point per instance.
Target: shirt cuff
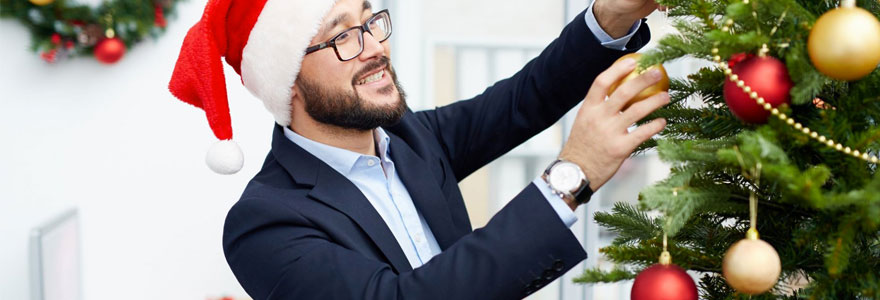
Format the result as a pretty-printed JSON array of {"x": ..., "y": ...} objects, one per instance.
[
  {"x": 603, "y": 37},
  {"x": 568, "y": 217}
]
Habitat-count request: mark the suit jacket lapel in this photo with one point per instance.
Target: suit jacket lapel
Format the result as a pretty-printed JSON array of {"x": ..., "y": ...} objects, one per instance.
[
  {"x": 335, "y": 190},
  {"x": 424, "y": 191}
]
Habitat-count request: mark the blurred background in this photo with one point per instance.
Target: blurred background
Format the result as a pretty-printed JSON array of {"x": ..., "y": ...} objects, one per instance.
[{"x": 104, "y": 193}]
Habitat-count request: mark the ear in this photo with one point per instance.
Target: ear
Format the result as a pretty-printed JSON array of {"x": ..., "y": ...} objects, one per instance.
[
  {"x": 294, "y": 92},
  {"x": 296, "y": 102}
]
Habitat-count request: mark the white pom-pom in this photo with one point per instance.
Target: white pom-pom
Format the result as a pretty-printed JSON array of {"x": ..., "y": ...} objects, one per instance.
[{"x": 225, "y": 157}]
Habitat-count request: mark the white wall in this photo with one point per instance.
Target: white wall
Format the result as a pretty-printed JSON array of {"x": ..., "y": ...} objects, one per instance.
[{"x": 112, "y": 141}]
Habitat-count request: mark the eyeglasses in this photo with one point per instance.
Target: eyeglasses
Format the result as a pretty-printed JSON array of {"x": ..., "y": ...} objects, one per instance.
[{"x": 350, "y": 43}]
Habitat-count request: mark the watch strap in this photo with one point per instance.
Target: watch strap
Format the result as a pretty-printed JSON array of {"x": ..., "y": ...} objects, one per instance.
[{"x": 584, "y": 194}]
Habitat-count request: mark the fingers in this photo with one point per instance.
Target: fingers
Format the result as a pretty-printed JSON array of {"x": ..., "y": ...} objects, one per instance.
[
  {"x": 645, "y": 132},
  {"x": 631, "y": 88},
  {"x": 643, "y": 108},
  {"x": 599, "y": 90}
]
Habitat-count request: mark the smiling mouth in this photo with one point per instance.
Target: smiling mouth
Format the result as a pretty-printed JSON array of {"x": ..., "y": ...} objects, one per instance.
[{"x": 372, "y": 78}]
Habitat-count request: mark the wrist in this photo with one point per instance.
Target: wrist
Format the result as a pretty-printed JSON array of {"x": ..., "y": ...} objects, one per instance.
[
  {"x": 615, "y": 24},
  {"x": 567, "y": 180},
  {"x": 569, "y": 200},
  {"x": 589, "y": 172}
]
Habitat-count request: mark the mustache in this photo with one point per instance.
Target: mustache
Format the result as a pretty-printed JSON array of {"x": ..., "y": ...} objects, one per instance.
[{"x": 371, "y": 66}]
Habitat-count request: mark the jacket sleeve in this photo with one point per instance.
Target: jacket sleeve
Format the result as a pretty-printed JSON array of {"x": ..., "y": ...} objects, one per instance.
[
  {"x": 476, "y": 131},
  {"x": 277, "y": 254}
]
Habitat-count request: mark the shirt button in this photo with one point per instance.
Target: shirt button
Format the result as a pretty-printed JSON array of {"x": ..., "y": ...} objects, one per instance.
[
  {"x": 418, "y": 238},
  {"x": 371, "y": 163}
]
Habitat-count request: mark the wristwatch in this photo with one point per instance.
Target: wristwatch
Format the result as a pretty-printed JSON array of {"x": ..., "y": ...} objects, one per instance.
[{"x": 567, "y": 180}]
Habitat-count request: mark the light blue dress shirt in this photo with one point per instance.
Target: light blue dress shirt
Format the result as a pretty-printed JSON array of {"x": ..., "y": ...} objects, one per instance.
[
  {"x": 377, "y": 179},
  {"x": 603, "y": 37}
]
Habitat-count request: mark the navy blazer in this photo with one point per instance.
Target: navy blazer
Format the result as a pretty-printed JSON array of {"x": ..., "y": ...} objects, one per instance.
[{"x": 303, "y": 231}]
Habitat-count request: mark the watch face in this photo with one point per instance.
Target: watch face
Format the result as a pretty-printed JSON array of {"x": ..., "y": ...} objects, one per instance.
[{"x": 565, "y": 177}]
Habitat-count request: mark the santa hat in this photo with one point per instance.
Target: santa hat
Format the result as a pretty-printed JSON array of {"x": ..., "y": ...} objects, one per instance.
[{"x": 264, "y": 41}]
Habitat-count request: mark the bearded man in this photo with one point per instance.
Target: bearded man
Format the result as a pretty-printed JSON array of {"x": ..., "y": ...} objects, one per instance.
[{"x": 358, "y": 197}]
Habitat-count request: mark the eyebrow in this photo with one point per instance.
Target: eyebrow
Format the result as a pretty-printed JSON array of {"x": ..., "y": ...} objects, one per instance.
[{"x": 342, "y": 19}]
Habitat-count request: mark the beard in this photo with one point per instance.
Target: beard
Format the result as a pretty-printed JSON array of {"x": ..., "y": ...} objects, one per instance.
[{"x": 346, "y": 108}]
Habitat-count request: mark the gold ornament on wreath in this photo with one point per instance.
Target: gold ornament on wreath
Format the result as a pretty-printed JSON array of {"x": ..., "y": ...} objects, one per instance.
[{"x": 65, "y": 29}]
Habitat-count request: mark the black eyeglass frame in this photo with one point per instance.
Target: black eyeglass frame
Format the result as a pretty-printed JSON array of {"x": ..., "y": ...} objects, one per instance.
[{"x": 362, "y": 28}]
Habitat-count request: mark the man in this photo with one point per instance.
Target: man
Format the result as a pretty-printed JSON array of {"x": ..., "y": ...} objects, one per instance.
[{"x": 358, "y": 198}]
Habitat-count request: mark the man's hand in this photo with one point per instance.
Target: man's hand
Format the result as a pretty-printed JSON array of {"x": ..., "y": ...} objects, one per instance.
[
  {"x": 616, "y": 17},
  {"x": 599, "y": 140}
]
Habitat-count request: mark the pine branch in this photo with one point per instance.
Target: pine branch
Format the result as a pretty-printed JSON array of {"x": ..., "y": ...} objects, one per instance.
[
  {"x": 597, "y": 275},
  {"x": 629, "y": 223}
]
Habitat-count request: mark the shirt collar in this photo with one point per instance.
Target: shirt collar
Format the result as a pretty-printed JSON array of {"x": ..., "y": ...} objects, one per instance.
[
  {"x": 383, "y": 141},
  {"x": 341, "y": 160}
]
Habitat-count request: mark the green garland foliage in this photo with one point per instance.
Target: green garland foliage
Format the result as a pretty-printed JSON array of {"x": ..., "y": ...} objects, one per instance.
[
  {"x": 819, "y": 208},
  {"x": 73, "y": 29}
]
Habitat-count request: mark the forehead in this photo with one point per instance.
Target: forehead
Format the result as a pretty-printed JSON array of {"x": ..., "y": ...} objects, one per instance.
[
  {"x": 343, "y": 8},
  {"x": 341, "y": 14},
  {"x": 352, "y": 5}
]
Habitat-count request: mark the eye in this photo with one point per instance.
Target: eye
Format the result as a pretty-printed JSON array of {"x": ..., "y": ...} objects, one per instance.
[
  {"x": 341, "y": 38},
  {"x": 374, "y": 23}
]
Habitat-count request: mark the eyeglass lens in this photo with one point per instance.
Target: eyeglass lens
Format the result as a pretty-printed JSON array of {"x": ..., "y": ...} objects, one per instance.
[{"x": 350, "y": 43}]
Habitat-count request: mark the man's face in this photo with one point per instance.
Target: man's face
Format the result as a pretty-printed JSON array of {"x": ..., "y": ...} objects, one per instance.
[{"x": 362, "y": 93}]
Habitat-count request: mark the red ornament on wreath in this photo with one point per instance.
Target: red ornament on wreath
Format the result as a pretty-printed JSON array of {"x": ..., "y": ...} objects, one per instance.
[
  {"x": 664, "y": 282},
  {"x": 50, "y": 56},
  {"x": 159, "y": 16},
  {"x": 763, "y": 74},
  {"x": 109, "y": 50}
]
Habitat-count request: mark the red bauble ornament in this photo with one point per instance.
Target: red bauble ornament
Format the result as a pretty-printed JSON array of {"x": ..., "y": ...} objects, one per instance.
[
  {"x": 109, "y": 50},
  {"x": 738, "y": 58},
  {"x": 766, "y": 75},
  {"x": 664, "y": 282}
]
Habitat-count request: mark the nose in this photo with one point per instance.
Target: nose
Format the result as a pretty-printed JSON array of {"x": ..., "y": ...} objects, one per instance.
[{"x": 372, "y": 47}]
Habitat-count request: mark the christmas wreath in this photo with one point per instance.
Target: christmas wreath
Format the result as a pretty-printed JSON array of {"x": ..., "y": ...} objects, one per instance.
[{"x": 62, "y": 28}]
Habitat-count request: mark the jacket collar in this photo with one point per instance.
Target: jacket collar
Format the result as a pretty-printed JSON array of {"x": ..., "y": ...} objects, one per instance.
[
  {"x": 424, "y": 190},
  {"x": 333, "y": 189}
]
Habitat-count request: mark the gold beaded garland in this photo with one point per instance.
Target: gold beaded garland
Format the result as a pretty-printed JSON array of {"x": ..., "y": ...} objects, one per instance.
[{"x": 782, "y": 116}]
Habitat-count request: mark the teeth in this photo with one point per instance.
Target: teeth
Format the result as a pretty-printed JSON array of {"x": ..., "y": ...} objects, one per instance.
[{"x": 372, "y": 78}]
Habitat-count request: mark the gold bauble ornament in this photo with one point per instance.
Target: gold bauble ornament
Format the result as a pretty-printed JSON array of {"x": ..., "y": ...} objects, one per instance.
[
  {"x": 42, "y": 2},
  {"x": 751, "y": 266},
  {"x": 659, "y": 87},
  {"x": 844, "y": 43}
]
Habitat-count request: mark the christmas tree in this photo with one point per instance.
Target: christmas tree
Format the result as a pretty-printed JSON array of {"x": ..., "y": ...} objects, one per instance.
[{"x": 779, "y": 136}]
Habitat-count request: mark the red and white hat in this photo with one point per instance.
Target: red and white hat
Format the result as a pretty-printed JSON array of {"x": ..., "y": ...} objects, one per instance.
[{"x": 264, "y": 41}]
